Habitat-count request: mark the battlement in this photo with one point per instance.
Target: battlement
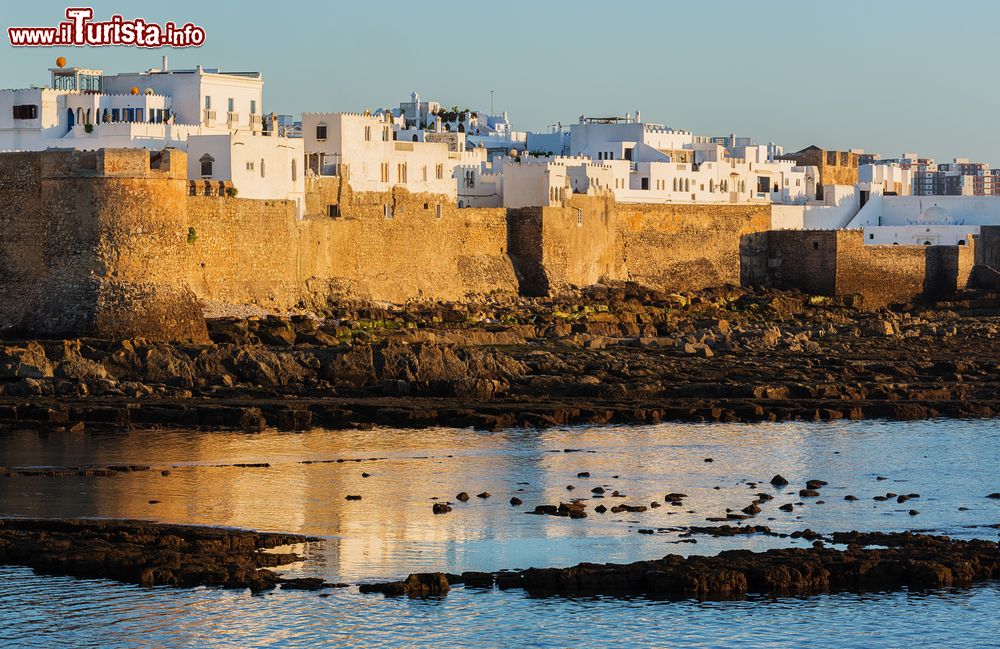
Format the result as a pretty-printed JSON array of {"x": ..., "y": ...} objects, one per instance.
[{"x": 169, "y": 163}]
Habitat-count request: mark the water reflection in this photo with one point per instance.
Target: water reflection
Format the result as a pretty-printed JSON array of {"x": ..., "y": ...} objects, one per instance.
[{"x": 392, "y": 530}]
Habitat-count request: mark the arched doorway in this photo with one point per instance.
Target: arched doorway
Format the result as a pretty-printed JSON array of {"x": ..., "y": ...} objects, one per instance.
[{"x": 69, "y": 117}]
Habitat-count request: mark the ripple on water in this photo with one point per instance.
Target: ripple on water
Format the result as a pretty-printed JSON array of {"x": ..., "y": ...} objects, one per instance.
[{"x": 392, "y": 531}]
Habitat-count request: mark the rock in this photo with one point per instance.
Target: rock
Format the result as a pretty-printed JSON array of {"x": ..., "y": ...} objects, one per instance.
[
  {"x": 573, "y": 510},
  {"x": 583, "y": 474},
  {"x": 600, "y": 509},
  {"x": 995, "y": 496},
  {"x": 787, "y": 507},
  {"x": 462, "y": 497},
  {"x": 751, "y": 509},
  {"x": 778, "y": 481},
  {"x": 808, "y": 493},
  {"x": 147, "y": 554},
  {"x": 815, "y": 484},
  {"x": 597, "y": 490},
  {"x": 484, "y": 494},
  {"x": 515, "y": 501},
  {"x": 352, "y": 497},
  {"x": 441, "y": 508},
  {"x": 433, "y": 584},
  {"x": 850, "y": 497}
]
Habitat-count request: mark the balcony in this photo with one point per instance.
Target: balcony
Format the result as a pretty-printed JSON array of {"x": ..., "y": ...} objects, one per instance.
[
  {"x": 256, "y": 121},
  {"x": 232, "y": 119},
  {"x": 208, "y": 117}
]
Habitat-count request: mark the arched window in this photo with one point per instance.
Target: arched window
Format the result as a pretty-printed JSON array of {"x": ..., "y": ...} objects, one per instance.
[
  {"x": 675, "y": 184},
  {"x": 262, "y": 167},
  {"x": 687, "y": 184},
  {"x": 79, "y": 116},
  {"x": 961, "y": 242},
  {"x": 414, "y": 137},
  {"x": 295, "y": 171},
  {"x": 206, "y": 164}
]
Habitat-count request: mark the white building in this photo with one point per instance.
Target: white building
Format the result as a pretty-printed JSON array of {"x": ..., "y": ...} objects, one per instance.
[
  {"x": 258, "y": 167},
  {"x": 376, "y": 152},
  {"x": 530, "y": 181},
  {"x": 886, "y": 178},
  {"x": 492, "y": 132},
  {"x": 86, "y": 109},
  {"x": 655, "y": 164}
]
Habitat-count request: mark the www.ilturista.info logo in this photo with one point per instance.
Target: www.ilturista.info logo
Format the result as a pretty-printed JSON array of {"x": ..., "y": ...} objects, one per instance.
[{"x": 79, "y": 30}]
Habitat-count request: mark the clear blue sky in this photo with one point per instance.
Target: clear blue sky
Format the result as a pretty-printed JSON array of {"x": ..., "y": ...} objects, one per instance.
[{"x": 883, "y": 75}]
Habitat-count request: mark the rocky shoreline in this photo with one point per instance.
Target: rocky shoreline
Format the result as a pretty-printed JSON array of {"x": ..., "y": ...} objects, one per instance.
[
  {"x": 186, "y": 556},
  {"x": 618, "y": 354},
  {"x": 150, "y": 554}
]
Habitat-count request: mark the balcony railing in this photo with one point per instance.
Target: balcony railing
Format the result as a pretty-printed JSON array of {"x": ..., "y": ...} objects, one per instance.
[
  {"x": 232, "y": 118},
  {"x": 209, "y": 116}
]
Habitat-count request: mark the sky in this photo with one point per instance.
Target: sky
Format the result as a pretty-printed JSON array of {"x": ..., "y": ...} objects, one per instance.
[{"x": 886, "y": 76}]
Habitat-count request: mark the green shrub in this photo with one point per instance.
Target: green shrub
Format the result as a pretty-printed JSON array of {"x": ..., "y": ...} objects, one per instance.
[{"x": 192, "y": 235}]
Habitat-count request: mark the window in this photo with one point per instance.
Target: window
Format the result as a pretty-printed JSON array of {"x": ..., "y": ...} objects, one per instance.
[
  {"x": 368, "y": 134},
  {"x": 253, "y": 106},
  {"x": 208, "y": 102},
  {"x": 579, "y": 217},
  {"x": 249, "y": 166},
  {"x": 424, "y": 174},
  {"x": 401, "y": 172},
  {"x": 262, "y": 167},
  {"x": 295, "y": 171},
  {"x": 333, "y": 211},
  {"x": 439, "y": 172},
  {"x": 871, "y": 236},
  {"x": 384, "y": 169},
  {"x": 206, "y": 164},
  {"x": 230, "y": 108},
  {"x": 437, "y": 211},
  {"x": 387, "y": 210},
  {"x": 115, "y": 115},
  {"x": 321, "y": 132}
]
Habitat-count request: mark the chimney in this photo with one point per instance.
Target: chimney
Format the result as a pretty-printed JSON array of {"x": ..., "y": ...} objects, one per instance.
[{"x": 166, "y": 64}]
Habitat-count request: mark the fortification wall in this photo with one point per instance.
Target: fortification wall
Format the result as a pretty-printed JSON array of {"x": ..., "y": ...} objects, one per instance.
[
  {"x": 880, "y": 274},
  {"x": 838, "y": 263},
  {"x": 87, "y": 237},
  {"x": 669, "y": 247},
  {"x": 685, "y": 247},
  {"x": 256, "y": 252},
  {"x": 101, "y": 243}
]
